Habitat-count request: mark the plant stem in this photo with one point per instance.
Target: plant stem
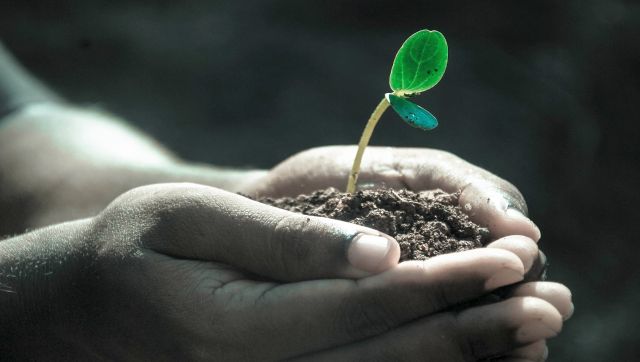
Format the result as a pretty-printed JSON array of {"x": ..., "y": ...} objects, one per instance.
[{"x": 364, "y": 141}]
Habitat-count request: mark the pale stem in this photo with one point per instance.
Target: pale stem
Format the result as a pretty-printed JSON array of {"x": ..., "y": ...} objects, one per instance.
[{"x": 364, "y": 141}]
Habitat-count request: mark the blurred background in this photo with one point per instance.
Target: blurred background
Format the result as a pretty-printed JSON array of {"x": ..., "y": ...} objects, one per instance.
[{"x": 543, "y": 93}]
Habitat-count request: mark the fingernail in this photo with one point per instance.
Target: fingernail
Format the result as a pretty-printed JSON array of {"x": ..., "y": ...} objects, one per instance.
[
  {"x": 570, "y": 313},
  {"x": 545, "y": 353},
  {"x": 367, "y": 252},
  {"x": 517, "y": 215},
  {"x": 499, "y": 202},
  {"x": 502, "y": 278},
  {"x": 534, "y": 331},
  {"x": 538, "y": 270}
]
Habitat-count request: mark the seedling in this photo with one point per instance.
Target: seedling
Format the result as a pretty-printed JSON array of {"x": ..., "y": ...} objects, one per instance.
[{"x": 418, "y": 66}]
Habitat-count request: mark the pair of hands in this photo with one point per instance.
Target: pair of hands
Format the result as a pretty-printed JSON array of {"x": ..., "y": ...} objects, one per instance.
[{"x": 193, "y": 272}]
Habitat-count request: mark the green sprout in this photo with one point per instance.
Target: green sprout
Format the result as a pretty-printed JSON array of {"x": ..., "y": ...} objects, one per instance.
[{"x": 418, "y": 66}]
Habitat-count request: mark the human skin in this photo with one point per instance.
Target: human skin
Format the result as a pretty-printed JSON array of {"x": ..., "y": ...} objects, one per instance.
[
  {"x": 123, "y": 267},
  {"x": 176, "y": 270}
]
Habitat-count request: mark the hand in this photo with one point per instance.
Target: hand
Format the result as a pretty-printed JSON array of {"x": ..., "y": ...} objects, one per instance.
[
  {"x": 192, "y": 272},
  {"x": 488, "y": 199}
]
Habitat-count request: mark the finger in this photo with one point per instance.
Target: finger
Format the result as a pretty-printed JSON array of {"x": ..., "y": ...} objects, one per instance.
[
  {"x": 523, "y": 320},
  {"x": 488, "y": 206},
  {"x": 475, "y": 333},
  {"x": 555, "y": 293},
  {"x": 200, "y": 222},
  {"x": 525, "y": 248},
  {"x": 489, "y": 200},
  {"x": 533, "y": 259},
  {"x": 324, "y": 313},
  {"x": 539, "y": 269}
]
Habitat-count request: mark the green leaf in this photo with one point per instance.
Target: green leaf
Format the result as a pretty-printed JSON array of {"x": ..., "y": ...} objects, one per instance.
[
  {"x": 412, "y": 113},
  {"x": 420, "y": 63}
]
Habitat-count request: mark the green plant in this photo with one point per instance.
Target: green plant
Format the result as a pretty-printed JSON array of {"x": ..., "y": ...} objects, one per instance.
[{"x": 418, "y": 66}]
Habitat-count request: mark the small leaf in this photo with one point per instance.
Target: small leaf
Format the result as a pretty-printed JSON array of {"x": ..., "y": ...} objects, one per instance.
[
  {"x": 420, "y": 63},
  {"x": 412, "y": 113}
]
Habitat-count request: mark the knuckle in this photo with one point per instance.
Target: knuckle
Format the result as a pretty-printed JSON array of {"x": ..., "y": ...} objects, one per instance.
[
  {"x": 461, "y": 342},
  {"x": 442, "y": 154},
  {"x": 494, "y": 190},
  {"x": 315, "y": 152},
  {"x": 438, "y": 156},
  {"x": 512, "y": 195},
  {"x": 288, "y": 244},
  {"x": 365, "y": 318},
  {"x": 148, "y": 215},
  {"x": 439, "y": 296}
]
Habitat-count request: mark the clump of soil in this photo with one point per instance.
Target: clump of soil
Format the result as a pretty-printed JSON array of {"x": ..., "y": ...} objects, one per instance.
[{"x": 425, "y": 224}]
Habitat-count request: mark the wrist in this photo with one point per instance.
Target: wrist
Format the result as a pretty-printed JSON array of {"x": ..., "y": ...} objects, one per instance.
[
  {"x": 42, "y": 278},
  {"x": 229, "y": 179}
]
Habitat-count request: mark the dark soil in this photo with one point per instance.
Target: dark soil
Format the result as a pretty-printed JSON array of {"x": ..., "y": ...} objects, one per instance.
[{"x": 425, "y": 224}]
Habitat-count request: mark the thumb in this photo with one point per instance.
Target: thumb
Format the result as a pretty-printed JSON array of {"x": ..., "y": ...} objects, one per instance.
[
  {"x": 210, "y": 224},
  {"x": 502, "y": 210}
]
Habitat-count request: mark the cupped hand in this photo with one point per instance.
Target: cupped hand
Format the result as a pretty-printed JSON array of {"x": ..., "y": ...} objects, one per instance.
[
  {"x": 488, "y": 199},
  {"x": 513, "y": 328},
  {"x": 192, "y": 272}
]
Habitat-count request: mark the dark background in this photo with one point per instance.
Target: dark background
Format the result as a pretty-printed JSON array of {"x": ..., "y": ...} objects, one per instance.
[{"x": 543, "y": 93}]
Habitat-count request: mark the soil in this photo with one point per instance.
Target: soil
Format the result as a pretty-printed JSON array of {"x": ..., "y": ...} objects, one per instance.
[{"x": 426, "y": 224}]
